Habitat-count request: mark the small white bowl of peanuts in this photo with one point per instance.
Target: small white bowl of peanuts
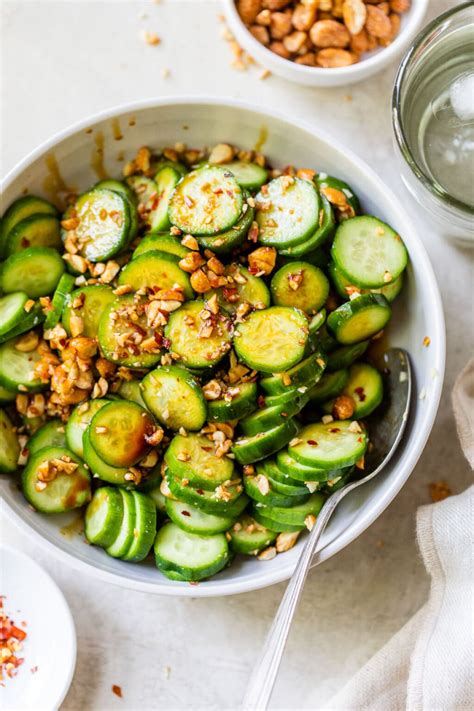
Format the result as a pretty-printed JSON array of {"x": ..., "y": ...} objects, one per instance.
[{"x": 324, "y": 42}]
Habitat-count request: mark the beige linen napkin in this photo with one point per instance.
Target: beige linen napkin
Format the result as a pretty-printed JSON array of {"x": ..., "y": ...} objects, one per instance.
[{"x": 429, "y": 664}]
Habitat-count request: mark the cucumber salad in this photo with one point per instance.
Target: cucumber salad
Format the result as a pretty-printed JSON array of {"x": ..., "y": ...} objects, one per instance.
[{"x": 185, "y": 353}]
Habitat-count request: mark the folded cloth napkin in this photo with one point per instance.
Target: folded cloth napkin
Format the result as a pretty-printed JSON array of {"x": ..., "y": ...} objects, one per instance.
[{"x": 429, "y": 664}]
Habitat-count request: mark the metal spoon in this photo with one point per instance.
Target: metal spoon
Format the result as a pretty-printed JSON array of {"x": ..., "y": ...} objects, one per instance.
[{"x": 386, "y": 429}]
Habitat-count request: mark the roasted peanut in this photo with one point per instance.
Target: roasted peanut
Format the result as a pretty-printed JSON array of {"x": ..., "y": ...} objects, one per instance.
[
  {"x": 280, "y": 25},
  {"x": 248, "y": 10},
  {"x": 331, "y": 57},
  {"x": 304, "y": 16},
  {"x": 354, "y": 13},
  {"x": 377, "y": 23},
  {"x": 343, "y": 407},
  {"x": 261, "y": 34},
  {"x": 280, "y": 49},
  {"x": 400, "y": 6},
  {"x": 295, "y": 41},
  {"x": 329, "y": 33},
  {"x": 308, "y": 59}
]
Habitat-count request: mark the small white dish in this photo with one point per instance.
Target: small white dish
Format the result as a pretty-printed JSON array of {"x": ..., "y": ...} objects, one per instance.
[
  {"x": 317, "y": 76},
  {"x": 49, "y": 650}
]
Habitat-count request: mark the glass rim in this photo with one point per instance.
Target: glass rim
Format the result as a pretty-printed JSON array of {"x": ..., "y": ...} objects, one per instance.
[{"x": 396, "y": 110}]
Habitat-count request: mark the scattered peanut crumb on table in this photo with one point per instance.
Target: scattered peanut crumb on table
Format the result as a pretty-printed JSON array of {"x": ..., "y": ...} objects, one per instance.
[
  {"x": 426, "y": 341},
  {"x": 117, "y": 690},
  {"x": 439, "y": 490},
  {"x": 167, "y": 672},
  {"x": 150, "y": 38}
]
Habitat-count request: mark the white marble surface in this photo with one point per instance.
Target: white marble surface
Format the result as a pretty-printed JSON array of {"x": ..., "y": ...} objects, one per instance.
[{"x": 64, "y": 60}]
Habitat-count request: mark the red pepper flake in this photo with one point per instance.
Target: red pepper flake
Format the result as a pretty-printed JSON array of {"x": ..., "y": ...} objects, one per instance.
[
  {"x": 33, "y": 670},
  {"x": 361, "y": 393},
  {"x": 312, "y": 442},
  {"x": 185, "y": 513},
  {"x": 261, "y": 401},
  {"x": 335, "y": 429},
  {"x": 200, "y": 492},
  {"x": 11, "y": 639},
  {"x": 117, "y": 690}
]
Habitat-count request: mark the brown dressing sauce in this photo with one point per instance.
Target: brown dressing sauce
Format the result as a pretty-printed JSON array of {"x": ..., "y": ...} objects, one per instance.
[
  {"x": 261, "y": 140},
  {"x": 116, "y": 130},
  {"x": 376, "y": 349},
  {"x": 97, "y": 157},
  {"x": 54, "y": 184},
  {"x": 75, "y": 528}
]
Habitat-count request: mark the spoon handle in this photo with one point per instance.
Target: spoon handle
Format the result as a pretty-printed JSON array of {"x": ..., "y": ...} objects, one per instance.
[{"x": 265, "y": 672}]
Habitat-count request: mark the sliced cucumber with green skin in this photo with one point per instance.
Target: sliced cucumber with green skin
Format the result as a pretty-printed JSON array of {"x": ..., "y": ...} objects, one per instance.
[
  {"x": 193, "y": 458},
  {"x": 273, "y": 525},
  {"x": 34, "y": 231},
  {"x": 176, "y": 165},
  {"x": 119, "y": 547},
  {"x": 155, "y": 270},
  {"x": 9, "y": 445},
  {"x": 242, "y": 403},
  {"x": 144, "y": 531},
  {"x": 151, "y": 478},
  {"x": 143, "y": 188},
  {"x": 124, "y": 190},
  {"x": 345, "y": 289},
  {"x": 175, "y": 398},
  {"x": 131, "y": 390},
  {"x": 281, "y": 399},
  {"x": 365, "y": 387},
  {"x": 326, "y": 340},
  {"x": 330, "y": 385},
  {"x": 192, "y": 519},
  {"x": 183, "y": 331},
  {"x": 248, "y": 175},
  {"x": 192, "y": 556},
  {"x": 272, "y": 340},
  {"x": 65, "y": 492},
  {"x": 296, "y": 515},
  {"x": 231, "y": 239},
  {"x": 166, "y": 180},
  {"x": 117, "y": 328},
  {"x": 6, "y": 396},
  {"x": 12, "y": 310},
  {"x": 158, "y": 499},
  {"x": 244, "y": 289},
  {"x": 30, "y": 320},
  {"x": 287, "y": 211},
  {"x": 324, "y": 230},
  {"x": 161, "y": 242},
  {"x": 272, "y": 497},
  {"x": 37, "y": 269},
  {"x": 270, "y": 417},
  {"x": 338, "y": 482},
  {"x": 104, "y": 516},
  {"x": 301, "y": 285},
  {"x": 90, "y": 303},
  {"x": 60, "y": 296},
  {"x": 248, "y": 450},
  {"x": 20, "y": 210},
  {"x": 360, "y": 318},
  {"x": 79, "y": 421},
  {"x": 317, "y": 321},
  {"x": 127, "y": 427},
  {"x": 344, "y": 356},
  {"x": 324, "y": 181},
  {"x": 287, "y": 489},
  {"x": 248, "y": 537},
  {"x": 51, "y": 434},
  {"x": 208, "y": 501},
  {"x": 17, "y": 368},
  {"x": 104, "y": 223},
  {"x": 206, "y": 202},
  {"x": 368, "y": 252},
  {"x": 278, "y": 477},
  {"x": 303, "y": 375},
  {"x": 330, "y": 446},
  {"x": 99, "y": 468},
  {"x": 301, "y": 472}
]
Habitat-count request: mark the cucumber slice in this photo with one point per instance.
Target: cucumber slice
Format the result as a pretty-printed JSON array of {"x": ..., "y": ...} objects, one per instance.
[
  {"x": 229, "y": 240},
  {"x": 301, "y": 472},
  {"x": 6, "y": 396},
  {"x": 248, "y": 537},
  {"x": 99, "y": 468},
  {"x": 365, "y": 387},
  {"x": 241, "y": 404},
  {"x": 334, "y": 445},
  {"x": 131, "y": 390},
  {"x": 338, "y": 482},
  {"x": 301, "y": 376},
  {"x": 287, "y": 211},
  {"x": 327, "y": 185},
  {"x": 158, "y": 499},
  {"x": 127, "y": 427},
  {"x": 360, "y": 318},
  {"x": 283, "y": 398},
  {"x": 126, "y": 192},
  {"x": 251, "y": 449},
  {"x": 175, "y": 398},
  {"x": 63, "y": 289},
  {"x": 79, "y": 421},
  {"x": 193, "y": 458},
  {"x": 104, "y": 517},
  {"x": 145, "y": 528},
  {"x": 12, "y": 310},
  {"x": 183, "y": 332},
  {"x": 51, "y": 434},
  {"x": 156, "y": 270},
  {"x": 344, "y": 356},
  {"x": 20, "y": 210},
  {"x": 192, "y": 556},
  {"x": 34, "y": 231},
  {"x": 272, "y": 340},
  {"x": 301, "y": 285},
  {"x": 243, "y": 289},
  {"x": 9, "y": 445},
  {"x": 206, "y": 202},
  {"x": 192, "y": 519},
  {"x": 162, "y": 242},
  {"x": 17, "y": 368},
  {"x": 66, "y": 491},
  {"x": 104, "y": 223},
  {"x": 176, "y": 165},
  {"x": 330, "y": 385},
  {"x": 120, "y": 546},
  {"x": 156, "y": 215},
  {"x": 144, "y": 190},
  {"x": 253, "y": 485},
  {"x": 345, "y": 289},
  {"x": 87, "y": 303},
  {"x": 324, "y": 231},
  {"x": 37, "y": 269},
  {"x": 29, "y": 321},
  {"x": 368, "y": 252},
  {"x": 248, "y": 175},
  {"x": 296, "y": 515},
  {"x": 122, "y": 323},
  {"x": 209, "y": 501},
  {"x": 281, "y": 482},
  {"x": 273, "y": 525},
  {"x": 270, "y": 417}
]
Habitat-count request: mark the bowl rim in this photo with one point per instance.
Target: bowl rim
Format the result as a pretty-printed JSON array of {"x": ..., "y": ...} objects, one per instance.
[
  {"x": 415, "y": 16},
  {"x": 438, "y": 339}
]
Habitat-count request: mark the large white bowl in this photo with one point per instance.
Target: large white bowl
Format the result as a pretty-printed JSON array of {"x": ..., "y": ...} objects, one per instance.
[{"x": 417, "y": 314}]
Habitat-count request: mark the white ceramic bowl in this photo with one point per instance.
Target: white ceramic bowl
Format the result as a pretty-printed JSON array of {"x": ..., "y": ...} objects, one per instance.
[
  {"x": 418, "y": 312},
  {"x": 317, "y": 76}
]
